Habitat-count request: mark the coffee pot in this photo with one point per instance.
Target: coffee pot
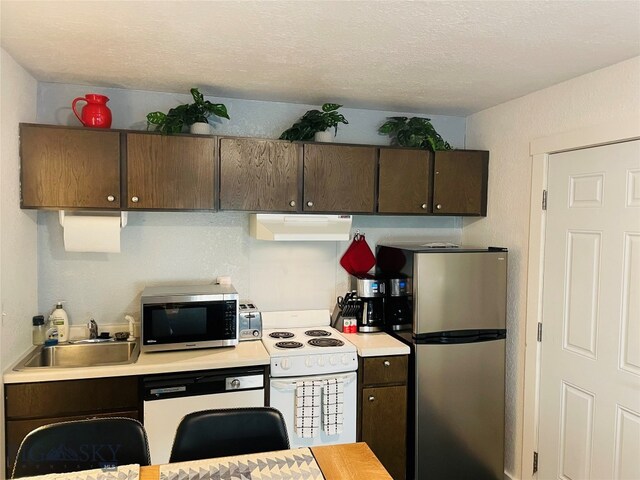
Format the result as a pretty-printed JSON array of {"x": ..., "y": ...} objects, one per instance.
[
  {"x": 397, "y": 304},
  {"x": 95, "y": 113},
  {"x": 371, "y": 292}
]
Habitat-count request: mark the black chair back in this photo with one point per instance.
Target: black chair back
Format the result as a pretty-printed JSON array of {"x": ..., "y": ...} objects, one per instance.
[
  {"x": 82, "y": 445},
  {"x": 226, "y": 432}
]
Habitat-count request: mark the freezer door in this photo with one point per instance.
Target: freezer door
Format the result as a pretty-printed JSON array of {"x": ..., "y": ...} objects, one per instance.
[
  {"x": 459, "y": 408},
  {"x": 459, "y": 291}
]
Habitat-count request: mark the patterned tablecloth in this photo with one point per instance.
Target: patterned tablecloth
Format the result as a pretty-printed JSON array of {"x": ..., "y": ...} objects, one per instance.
[
  {"x": 296, "y": 464},
  {"x": 124, "y": 472}
]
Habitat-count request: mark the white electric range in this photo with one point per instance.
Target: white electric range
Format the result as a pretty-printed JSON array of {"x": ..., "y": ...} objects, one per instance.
[{"x": 304, "y": 348}]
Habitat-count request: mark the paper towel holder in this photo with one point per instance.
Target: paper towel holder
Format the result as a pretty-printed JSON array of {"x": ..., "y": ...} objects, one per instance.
[{"x": 123, "y": 218}]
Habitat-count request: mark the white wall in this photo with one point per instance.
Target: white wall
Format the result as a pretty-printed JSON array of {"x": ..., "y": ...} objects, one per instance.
[
  {"x": 18, "y": 252},
  {"x": 166, "y": 248},
  {"x": 506, "y": 130},
  {"x": 18, "y": 229}
]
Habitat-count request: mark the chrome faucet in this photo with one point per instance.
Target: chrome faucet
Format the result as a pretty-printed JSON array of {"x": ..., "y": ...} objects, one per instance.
[{"x": 93, "y": 329}]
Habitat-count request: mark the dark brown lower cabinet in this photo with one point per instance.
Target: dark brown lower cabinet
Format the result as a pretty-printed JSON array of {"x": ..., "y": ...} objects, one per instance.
[
  {"x": 32, "y": 405},
  {"x": 382, "y": 410}
]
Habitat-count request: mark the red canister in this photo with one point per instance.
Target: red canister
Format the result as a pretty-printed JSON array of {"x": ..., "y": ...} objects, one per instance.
[{"x": 95, "y": 113}]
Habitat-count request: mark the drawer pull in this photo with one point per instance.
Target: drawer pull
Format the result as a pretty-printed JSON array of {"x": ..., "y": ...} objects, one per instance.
[
  {"x": 309, "y": 204},
  {"x": 386, "y": 363},
  {"x": 372, "y": 398},
  {"x": 135, "y": 199},
  {"x": 111, "y": 198},
  {"x": 292, "y": 203},
  {"x": 439, "y": 206}
]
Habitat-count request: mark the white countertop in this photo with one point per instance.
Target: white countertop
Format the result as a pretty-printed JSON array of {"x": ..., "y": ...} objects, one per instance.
[
  {"x": 244, "y": 355},
  {"x": 377, "y": 344}
]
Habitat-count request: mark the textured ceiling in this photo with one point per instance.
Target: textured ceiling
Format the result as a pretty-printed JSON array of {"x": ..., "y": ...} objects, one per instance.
[{"x": 439, "y": 57}]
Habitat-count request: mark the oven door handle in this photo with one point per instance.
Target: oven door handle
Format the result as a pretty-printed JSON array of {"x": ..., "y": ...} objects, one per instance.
[{"x": 289, "y": 385}]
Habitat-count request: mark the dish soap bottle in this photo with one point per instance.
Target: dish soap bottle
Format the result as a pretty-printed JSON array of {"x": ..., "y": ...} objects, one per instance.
[{"x": 60, "y": 319}]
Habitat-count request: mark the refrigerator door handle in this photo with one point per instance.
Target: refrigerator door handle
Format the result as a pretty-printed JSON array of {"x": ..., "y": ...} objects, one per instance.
[{"x": 460, "y": 336}]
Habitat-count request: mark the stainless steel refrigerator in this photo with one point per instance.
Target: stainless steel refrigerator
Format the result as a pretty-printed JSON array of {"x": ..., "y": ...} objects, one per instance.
[{"x": 456, "y": 424}]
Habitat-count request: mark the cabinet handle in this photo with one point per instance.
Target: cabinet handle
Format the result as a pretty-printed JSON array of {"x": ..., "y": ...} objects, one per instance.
[
  {"x": 134, "y": 199},
  {"x": 372, "y": 398},
  {"x": 423, "y": 206},
  {"x": 439, "y": 206},
  {"x": 309, "y": 204},
  {"x": 111, "y": 198},
  {"x": 437, "y": 173},
  {"x": 292, "y": 203},
  {"x": 386, "y": 363}
]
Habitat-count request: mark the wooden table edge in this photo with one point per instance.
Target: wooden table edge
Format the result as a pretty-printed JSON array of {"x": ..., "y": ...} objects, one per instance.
[{"x": 337, "y": 462}]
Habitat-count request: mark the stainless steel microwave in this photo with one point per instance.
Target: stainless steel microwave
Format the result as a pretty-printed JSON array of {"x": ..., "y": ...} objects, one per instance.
[{"x": 188, "y": 317}]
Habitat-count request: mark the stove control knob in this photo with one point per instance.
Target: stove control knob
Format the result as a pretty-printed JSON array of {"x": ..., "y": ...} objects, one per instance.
[
  {"x": 333, "y": 360},
  {"x": 309, "y": 362},
  {"x": 284, "y": 363},
  {"x": 321, "y": 361},
  {"x": 345, "y": 359}
]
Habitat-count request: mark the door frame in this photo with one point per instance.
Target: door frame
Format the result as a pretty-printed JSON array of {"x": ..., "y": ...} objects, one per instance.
[{"x": 539, "y": 150}]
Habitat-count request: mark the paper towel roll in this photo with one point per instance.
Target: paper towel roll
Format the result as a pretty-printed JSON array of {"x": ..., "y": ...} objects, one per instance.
[{"x": 85, "y": 233}]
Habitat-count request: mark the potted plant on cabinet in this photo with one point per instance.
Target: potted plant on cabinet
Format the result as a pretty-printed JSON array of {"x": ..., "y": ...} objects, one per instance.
[
  {"x": 415, "y": 132},
  {"x": 194, "y": 115},
  {"x": 316, "y": 124}
]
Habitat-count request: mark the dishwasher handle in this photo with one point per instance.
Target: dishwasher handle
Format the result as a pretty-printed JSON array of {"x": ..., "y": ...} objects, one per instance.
[{"x": 190, "y": 385}]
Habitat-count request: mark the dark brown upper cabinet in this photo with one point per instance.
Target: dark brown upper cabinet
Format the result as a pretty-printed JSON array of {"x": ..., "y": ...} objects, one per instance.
[
  {"x": 259, "y": 175},
  {"x": 404, "y": 180},
  {"x": 460, "y": 182},
  {"x": 170, "y": 172},
  {"x": 339, "y": 178},
  {"x": 69, "y": 167}
]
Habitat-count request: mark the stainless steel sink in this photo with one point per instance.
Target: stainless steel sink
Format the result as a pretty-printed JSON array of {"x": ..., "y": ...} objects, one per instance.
[{"x": 68, "y": 355}]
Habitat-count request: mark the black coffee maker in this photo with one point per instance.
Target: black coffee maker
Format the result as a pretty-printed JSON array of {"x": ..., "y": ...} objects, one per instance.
[
  {"x": 397, "y": 304},
  {"x": 371, "y": 291}
]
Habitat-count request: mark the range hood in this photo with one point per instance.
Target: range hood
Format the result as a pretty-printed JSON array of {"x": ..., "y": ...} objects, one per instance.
[{"x": 287, "y": 227}]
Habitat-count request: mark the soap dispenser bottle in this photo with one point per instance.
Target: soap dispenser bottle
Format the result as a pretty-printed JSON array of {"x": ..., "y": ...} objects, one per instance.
[{"x": 60, "y": 319}]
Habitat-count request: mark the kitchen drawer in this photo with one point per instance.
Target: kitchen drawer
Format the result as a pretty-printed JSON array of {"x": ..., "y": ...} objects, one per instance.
[
  {"x": 384, "y": 370},
  {"x": 71, "y": 397}
]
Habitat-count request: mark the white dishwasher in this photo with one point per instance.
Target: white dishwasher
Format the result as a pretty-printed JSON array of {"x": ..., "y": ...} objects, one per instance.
[{"x": 169, "y": 397}]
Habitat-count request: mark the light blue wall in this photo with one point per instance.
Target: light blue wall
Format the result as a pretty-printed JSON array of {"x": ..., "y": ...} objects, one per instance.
[{"x": 165, "y": 248}]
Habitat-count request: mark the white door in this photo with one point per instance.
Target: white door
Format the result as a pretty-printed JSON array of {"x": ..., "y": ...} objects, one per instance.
[{"x": 590, "y": 374}]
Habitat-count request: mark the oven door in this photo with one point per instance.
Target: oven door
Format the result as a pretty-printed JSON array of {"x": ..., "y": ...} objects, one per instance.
[
  {"x": 282, "y": 396},
  {"x": 183, "y": 325}
]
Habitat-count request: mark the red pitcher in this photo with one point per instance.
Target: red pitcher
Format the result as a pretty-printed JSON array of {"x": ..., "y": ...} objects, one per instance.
[{"x": 95, "y": 113}]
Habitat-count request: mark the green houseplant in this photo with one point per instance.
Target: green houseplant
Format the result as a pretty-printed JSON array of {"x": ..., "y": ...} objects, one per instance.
[
  {"x": 186, "y": 115},
  {"x": 416, "y": 132},
  {"x": 315, "y": 121}
]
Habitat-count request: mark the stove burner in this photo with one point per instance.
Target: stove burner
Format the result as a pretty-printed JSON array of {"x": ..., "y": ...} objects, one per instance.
[
  {"x": 317, "y": 333},
  {"x": 281, "y": 335},
  {"x": 326, "y": 342},
  {"x": 289, "y": 344}
]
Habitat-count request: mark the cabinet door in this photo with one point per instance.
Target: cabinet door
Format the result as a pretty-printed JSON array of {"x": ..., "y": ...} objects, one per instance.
[
  {"x": 69, "y": 167},
  {"x": 460, "y": 182},
  {"x": 384, "y": 426},
  {"x": 260, "y": 175},
  {"x": 339, "y": 178},
  {"x": 404, "y": 178},
  {"x": 170, "y": 172}
]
